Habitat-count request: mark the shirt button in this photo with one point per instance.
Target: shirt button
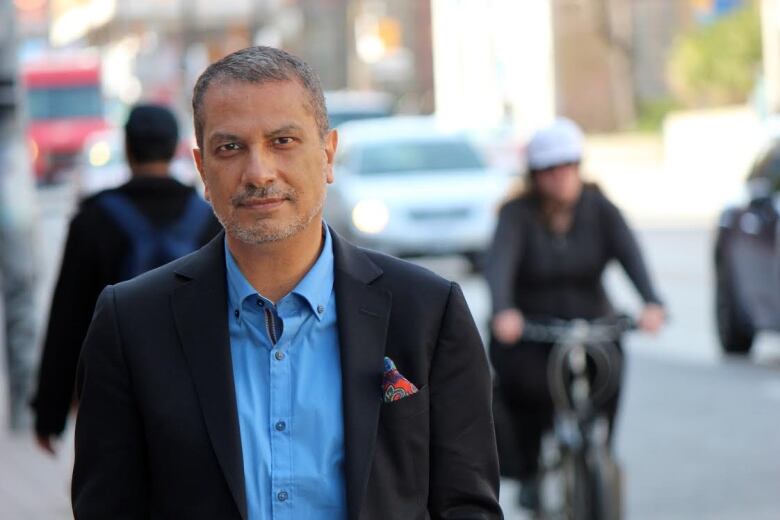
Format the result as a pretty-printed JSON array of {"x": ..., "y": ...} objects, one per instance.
[
  {"x": 279, "y": 355},
  {"x": 280, "y": 426},
  {"x": 320, "y": 309},
  {"x": 236, "y": 313},
  {"x": 282, "y": 496}
]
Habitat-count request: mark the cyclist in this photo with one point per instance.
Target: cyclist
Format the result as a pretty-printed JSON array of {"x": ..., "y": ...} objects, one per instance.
[{"x": 551, "y": 246}]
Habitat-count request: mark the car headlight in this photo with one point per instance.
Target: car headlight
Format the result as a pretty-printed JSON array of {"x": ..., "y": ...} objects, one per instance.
[
  {"x": 99, "y": 154},
  {"x": 370, "y": 216}
]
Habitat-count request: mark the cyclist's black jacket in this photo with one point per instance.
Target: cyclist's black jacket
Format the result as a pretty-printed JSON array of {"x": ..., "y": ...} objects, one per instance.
[
  {"x": 542, "y": 274},
  {"x": 94, "y": 254}
]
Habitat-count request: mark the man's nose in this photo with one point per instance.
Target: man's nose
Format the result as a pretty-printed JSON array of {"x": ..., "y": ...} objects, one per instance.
[{"x": 260, "y": 168}]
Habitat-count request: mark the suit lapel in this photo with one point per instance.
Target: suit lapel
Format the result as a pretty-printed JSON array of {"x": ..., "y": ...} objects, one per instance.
[
  {"x": 200, "y": 310},
  {"x": 363, "y": 317}
]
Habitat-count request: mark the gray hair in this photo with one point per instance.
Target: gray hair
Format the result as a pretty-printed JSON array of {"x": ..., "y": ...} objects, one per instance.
[{"x": 260, "y": 65}]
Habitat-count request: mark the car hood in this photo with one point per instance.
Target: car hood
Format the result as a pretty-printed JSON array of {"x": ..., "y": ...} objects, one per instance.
[{"x": 425, "y": 188}]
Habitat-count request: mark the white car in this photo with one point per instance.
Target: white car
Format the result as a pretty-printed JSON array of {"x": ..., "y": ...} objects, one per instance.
[{"x": 407, "y": 187}]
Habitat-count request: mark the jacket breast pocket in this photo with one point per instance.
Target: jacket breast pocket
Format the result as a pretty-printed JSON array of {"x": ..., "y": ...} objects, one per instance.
[{"x": 395, "y": 413}]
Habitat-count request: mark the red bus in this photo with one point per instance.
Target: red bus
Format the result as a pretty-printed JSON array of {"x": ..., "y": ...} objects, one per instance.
[{"x": 64, "y": 106}]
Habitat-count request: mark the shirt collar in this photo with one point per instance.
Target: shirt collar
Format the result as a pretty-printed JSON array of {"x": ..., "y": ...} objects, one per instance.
[
  {"x": 315, "y": 287},
  {"x": 239, "y": 288}
]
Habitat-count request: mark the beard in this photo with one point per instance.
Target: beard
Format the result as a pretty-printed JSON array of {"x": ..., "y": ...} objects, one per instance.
[{"x": 263, "y": 230}]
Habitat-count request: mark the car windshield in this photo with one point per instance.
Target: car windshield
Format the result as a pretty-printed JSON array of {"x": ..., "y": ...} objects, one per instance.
[
  {"x": 414, "y": 156},
  {"x": 64, "y": 102}
]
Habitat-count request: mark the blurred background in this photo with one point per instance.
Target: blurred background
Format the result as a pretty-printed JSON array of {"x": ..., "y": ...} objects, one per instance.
[{"x": 679, "y": 100}]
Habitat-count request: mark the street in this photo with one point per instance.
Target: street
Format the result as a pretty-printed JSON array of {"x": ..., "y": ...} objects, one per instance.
[{"x": 697, "y": 432}]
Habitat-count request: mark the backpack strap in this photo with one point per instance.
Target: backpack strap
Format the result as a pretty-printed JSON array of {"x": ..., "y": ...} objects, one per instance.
[
  {"x": 196, "y": 214},
  {"x": 125, "y": 214},
  {"x": 183, "y": 235},
  {"x": 134, "y": 225},
  {"x": 152, "y": 246}
]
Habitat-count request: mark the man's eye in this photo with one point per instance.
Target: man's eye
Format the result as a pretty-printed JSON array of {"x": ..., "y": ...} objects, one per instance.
[
  {"x": 283, "y": 141},
  {"x": 229, "y": 147}
]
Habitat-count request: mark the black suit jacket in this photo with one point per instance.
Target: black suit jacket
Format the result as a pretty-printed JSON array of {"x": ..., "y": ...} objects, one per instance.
[{"x": 157, "y": 434}]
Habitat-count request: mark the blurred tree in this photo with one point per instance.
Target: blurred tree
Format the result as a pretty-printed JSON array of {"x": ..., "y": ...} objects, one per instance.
[
  {"x": 718, "y": 63},
  {"x": 651, "y": 114}
]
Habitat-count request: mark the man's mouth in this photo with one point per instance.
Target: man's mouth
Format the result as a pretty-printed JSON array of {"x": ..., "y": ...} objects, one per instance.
[{"x": 268, "y": 202}]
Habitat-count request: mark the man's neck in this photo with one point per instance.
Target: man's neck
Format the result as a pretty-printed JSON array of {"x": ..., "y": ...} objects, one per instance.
[
  {"x": 275, "y": 268},
  {"x": 150, "y": 169}
]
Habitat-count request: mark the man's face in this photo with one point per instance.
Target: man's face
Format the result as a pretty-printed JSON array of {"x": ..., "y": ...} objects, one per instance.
[{"x": 263, "y": 163}]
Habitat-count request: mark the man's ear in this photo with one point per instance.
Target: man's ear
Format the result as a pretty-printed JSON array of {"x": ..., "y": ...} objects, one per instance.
[
  {"x": 329, "y": 148},
  {"x": 197, "y": 154}
]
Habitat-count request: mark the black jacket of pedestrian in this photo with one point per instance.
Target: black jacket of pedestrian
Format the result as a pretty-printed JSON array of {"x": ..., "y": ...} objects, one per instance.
[{"x": 94, "y": 254}]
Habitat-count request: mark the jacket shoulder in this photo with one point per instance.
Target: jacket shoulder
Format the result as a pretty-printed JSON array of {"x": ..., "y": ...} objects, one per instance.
[
  {"x": 412, "y": 280},
  {"x": 597, "y": 199},
  {"x": 89, "y": 211},
  {"x": 159, "y": 281}
]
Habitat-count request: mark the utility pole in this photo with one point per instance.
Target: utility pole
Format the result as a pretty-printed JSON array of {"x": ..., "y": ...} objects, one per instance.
[
  {"x": 8, "y": 89},
  {"x": 14, "y": 160},
  {"x": 259, "y": 12},
  {"x": 188, "y": 17},
  {"x": 17, "y": 265}
]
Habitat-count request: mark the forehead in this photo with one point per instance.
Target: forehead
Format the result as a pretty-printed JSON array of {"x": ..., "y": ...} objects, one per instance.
[{"x": 239, "y": 104}]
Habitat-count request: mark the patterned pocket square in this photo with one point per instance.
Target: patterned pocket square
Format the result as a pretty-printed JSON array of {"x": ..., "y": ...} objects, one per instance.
[{"x": 394, "y": 385}]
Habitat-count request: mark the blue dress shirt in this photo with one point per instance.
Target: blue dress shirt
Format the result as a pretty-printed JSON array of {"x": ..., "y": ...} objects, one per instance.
[{"x": 287, "y": 373}]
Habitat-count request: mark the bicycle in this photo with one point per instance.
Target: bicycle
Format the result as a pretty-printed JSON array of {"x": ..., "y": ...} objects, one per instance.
[{"x": 580, "y": 479}]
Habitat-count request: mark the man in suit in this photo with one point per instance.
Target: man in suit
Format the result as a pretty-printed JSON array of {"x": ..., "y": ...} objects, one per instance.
[{"x": 280, "y": 372}]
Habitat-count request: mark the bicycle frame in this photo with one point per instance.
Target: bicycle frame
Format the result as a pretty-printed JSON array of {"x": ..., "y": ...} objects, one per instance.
[{"x": 580, "y": 479}]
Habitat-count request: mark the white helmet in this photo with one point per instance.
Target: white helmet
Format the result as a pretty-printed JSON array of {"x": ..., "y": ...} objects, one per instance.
[{"x": 559, "y": 143}]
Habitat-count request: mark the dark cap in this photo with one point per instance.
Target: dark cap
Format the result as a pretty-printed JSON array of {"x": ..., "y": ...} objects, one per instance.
[{"x": 151, "y": 133}]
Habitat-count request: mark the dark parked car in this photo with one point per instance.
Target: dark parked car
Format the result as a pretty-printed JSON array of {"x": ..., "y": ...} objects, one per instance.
[{"x": 747, "y": 259}]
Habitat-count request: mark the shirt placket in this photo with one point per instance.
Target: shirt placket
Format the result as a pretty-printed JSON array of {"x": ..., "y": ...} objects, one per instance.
[{"x": 280, "y": 413}]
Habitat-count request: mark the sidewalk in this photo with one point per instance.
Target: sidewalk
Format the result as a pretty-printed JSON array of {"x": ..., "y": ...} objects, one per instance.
[{"x": 33, "y": 485}]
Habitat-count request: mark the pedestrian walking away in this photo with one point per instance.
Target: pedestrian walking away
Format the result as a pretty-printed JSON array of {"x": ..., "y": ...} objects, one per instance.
[{"x": 115, "y": 235}]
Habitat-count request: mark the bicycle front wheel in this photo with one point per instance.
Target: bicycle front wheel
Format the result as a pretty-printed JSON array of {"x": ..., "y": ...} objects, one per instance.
[
  {"x": 606, "y": 486},
  {"x": 579, "y": 503}
]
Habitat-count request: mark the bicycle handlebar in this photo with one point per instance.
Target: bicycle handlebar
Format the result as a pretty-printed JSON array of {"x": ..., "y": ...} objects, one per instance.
[
  {"x": 575, "y": 341},
  {"x": 601, "y": 330}
]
